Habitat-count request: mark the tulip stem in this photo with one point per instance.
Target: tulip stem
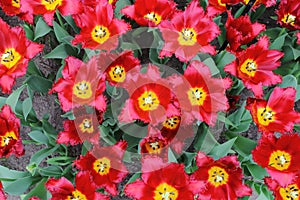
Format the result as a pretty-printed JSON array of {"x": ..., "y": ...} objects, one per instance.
[{"x": 60, "y": 19}]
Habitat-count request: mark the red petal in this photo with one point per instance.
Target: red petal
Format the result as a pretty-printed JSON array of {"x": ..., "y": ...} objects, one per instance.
[
  {"x": 60, "y": 186},
  {"x": 70, "y": 7}
]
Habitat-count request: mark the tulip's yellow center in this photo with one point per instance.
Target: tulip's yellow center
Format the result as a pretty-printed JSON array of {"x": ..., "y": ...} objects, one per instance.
[
  {"x": 187, "y": 37},
  {"x": 86, "y": 126},
  {"x": 280, "y": 160},
  {"x": 221, "y": 4},
  {"x": 197, "y": 96},
  {"x": 165, "y": 191},
  {"x": 77, "y": 195},
  {"x": 289, "y": 19},
  {"x": 100, "y": 34},
  {"x": 10, "y": 58},
  {"x": 154, "y": 17},
  {"x": 246, "y": 1},
  {"x": 16, "y": 3},
  {"x": 217, "y": 176},
  {"x": 148, "y": 101},
  {"x": 117, "y": 73},
  {"x": 102, "y": 166},
  {"x": 265, "y": 116},
  {"x": 51, "y": 4},
  {"x": 111, "y": 1},
  {"x": 5, "y": 139},
  {"x": 172, "y": 122},
  {"x": 154, "y": 147},
  {"x": 249, "y": 67},
  {"x": 83, "y": 90},
  {"x": 291, "y": 192}
]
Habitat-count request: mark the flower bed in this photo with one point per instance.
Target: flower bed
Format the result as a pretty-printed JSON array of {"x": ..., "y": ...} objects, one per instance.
[{"x": 155, "y": 97}]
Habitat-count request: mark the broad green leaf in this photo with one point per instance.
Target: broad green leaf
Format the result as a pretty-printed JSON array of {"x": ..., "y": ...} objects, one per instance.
[
  {"x": 296, "y": 53},
  {"x": 241, "y": 119},
  {"x": 60, "y": 160},
  {"x": 120, "y": 5},
  {"x": 204, "y": 139},
  {"x": 51, "y": 171},
  {"x": 257, "y": 171},
  {"x": 222, "y": 150},
  {"x": 212, "y": 66},
  {"x": 288, "y": 81},
  {"x": 188, "y": 158},
  {"x": 38, "y": 191},
  {"x": 41, "y": 29},
  {"x": 134, "y": 177},
  {"x": 258, "y": 12},
  {"x": 28, "y": 31},
  {"x": 69, "y": 19},
  {"x": 242, "y": 145},
  {"x": 39, "y": 84},
  {"x": 27, "y": 106},
  {"x": 8, "y": 174},
  {"x": 272, "y": 32},
  {"x": 298, "y": 93},
  {"x": 32, "y": 69},
  {"x": 60, "y": 32},
  {"x": 223, "y": 58},
  {"x": 18, "y": 186},
  {"x": 60, "y": 52},
  {"x": 13, "y": 98},
  {"x": 39, "y": 137},
  {"x": 278, "y": 42},
  {"x": 239, "y": 11},
  {"x": 40, "y": 155},
  {"x": 171, "y": 156}
]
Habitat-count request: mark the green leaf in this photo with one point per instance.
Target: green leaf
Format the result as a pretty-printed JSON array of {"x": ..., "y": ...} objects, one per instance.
[
  {"x": 204, "y": 140},
  {"x": 18, "y": 186},
  {"x": 39, "y": 137},
  {"x": 212, "y": 66},
  {"x": 13, "y": 98},
  {"x": 32, "y": 69},
  {"x": 39, "y": 84},
  {"x": 51, "y": 171},
  {"x": 69, "y": 19},
  {"x": 272, "y": 32},
  {"x": 134, "y": 177},
  {"x": 171, "y": 156},
  {"x": 298, "y": 93},
  {"x": 39, "y": 156},
  {"x": 257, "y": 171},
  {"x": 28, "y": 31},
  {"x": 242, "y": 145},
  {"x": 38, "y": 191},
  {"x": 241, "y": 119},
  {"x": 222, "y": 150},
  {"x": 60, "y": 52},
  {"x": 26, "y": 106},
  {"x": 222, "y": 59},
  {"x": 288, "y": 81},
  {"x": 278, "y": 42},
  {"x": 239, "y": 11},
  {"x": 119, "y": 5},
  {"x": 41, "y": 29},
  {"x": 60, "y": 160},
  {"x": 60, "y": 32},
  {"x": 8, "y": 174},
  {"x": 296, "y": 53}
]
